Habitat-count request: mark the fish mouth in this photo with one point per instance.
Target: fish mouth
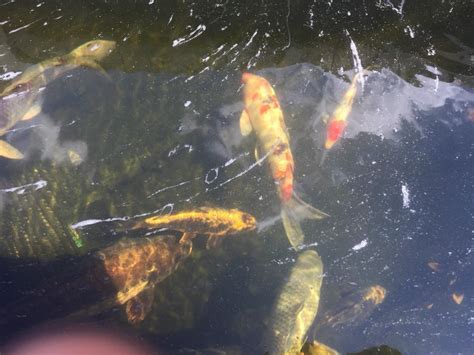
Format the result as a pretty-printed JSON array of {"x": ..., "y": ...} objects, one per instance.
[{"x": 250, "y": 222}]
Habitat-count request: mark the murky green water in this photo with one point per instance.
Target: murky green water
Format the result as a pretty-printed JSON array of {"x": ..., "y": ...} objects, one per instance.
[{"x": 161, "y": 132}]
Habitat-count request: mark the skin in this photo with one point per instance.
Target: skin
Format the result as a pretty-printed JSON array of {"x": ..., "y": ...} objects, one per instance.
[{"x": 266, "y": 119}]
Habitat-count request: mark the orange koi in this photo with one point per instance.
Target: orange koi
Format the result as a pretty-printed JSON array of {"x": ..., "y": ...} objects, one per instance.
[{"x": 263, "y": 114}]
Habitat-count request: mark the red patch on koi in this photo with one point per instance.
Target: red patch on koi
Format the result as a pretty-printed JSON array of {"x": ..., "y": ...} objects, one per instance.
[
  {"x": 335, "y": 129},
  {"x": 263, "y": 109},
  {"x": 286, "y": 192},
  {"x": 255, "y": 96}
]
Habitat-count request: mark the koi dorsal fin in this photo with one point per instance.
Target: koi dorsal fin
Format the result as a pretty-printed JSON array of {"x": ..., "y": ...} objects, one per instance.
[{"x": 245, "y": 125}]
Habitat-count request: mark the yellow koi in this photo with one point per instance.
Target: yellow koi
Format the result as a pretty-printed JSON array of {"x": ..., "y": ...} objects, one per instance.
[{"x": 213, "y": 222}]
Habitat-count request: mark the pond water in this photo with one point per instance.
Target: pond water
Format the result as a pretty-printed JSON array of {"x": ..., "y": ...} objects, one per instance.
[{"x": 159, "y": 133}]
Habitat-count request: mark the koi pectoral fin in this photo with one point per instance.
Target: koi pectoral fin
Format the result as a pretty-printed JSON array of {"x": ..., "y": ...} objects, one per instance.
[
  {"x": 9, "y": 151},
  {"x": 257, "y": 154},
  {"x": 245, "y": 125},
  {"x": 32, "y": 112},
  {"x": 213, "y": 242},
  {"x": 137, "y": 308},
  {"x": 88, "y": 63},
  {"x": 187, "y": 237}
]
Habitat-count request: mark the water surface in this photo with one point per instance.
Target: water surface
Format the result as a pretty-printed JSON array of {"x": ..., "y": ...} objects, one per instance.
[{"x": 161, "y": 133}]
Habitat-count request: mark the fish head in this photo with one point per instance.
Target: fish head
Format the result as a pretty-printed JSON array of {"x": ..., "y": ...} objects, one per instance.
[
  {"x": 18, "y": 88},
  {"x": 376, "y": 294},
  {"x": 242, "y": 221},
  {"x": 96, "y": 49},
  {"x": 256, "y": 88}
]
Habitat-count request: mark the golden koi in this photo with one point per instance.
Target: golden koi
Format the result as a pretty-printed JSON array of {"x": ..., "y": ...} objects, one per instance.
[
  {"x": 338, "y": 121},
  {"x": 355, "y": 307},
  {"x": 263, "y": 114},
  {"x": 124, "y": 274},
  {"x": 213, "y": 222}
]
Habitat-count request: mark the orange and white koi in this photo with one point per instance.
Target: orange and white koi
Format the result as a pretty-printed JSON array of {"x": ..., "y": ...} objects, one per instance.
[
  {"x": 338, "y": 120},
  {"x": 263, "y": 114}
]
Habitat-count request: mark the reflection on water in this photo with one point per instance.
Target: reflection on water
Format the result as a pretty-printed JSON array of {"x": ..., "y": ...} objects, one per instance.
[{"x": 160, "y": 134}]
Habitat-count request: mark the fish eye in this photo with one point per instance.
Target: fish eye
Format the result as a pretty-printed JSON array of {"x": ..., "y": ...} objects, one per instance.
[
  {"x": 280, "y": 148},
  {"x": 19, "y": 87}
]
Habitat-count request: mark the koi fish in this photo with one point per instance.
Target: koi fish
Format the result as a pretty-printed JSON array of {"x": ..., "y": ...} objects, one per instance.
[
  {"x": 317, "y": 348},
  {"x": 22, "y": 99},
  {"x": 295, "y": 307},
  {"x": 355, "y": 307},
  {"x": 263, "y": 115},
  {"x": 213, "y": 222},
  {"x": 124, "y": 274},
  {"x": 338, "y": 121}
]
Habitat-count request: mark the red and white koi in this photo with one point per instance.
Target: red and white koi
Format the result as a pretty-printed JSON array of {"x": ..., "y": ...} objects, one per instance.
[
  {"x": 263, "y": 115},
  {"x": 338, "y": 121}
]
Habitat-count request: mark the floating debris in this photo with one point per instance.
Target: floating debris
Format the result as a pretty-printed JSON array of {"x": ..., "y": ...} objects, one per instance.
[{"x": 433, "y": 265}]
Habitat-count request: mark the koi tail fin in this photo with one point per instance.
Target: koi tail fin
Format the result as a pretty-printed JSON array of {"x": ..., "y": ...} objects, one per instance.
[
  {"x": 130, "y": 225},
  {"x": 292, "y": 213},
  {"x": 293, "y": 230}
]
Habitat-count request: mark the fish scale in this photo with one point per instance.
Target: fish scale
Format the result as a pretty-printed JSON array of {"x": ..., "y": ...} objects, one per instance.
[{"x": 295, "y": 307}]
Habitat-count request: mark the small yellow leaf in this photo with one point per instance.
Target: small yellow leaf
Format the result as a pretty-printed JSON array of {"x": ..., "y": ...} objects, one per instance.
[
  {"x": 458, "y": 298},
  {"x": 429, "y": 306}
]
